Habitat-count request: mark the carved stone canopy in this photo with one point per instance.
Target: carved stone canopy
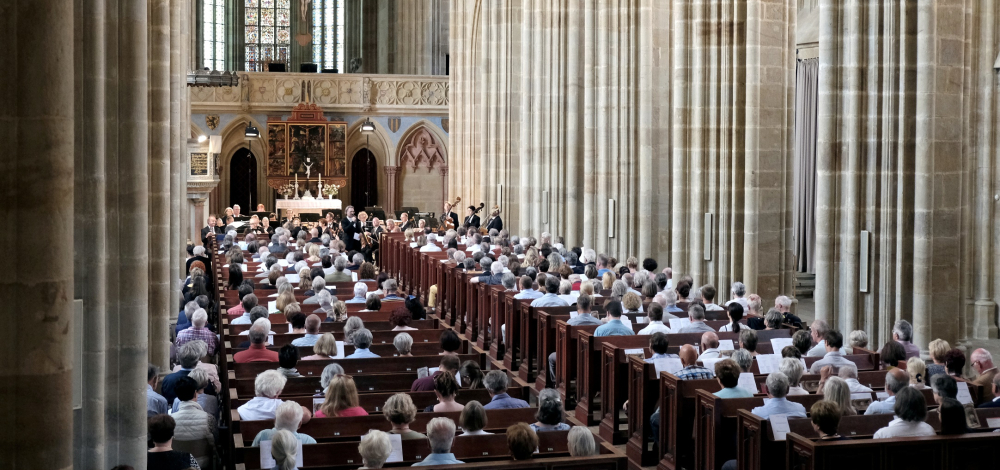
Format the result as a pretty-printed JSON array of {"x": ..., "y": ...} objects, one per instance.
[{"x": 422, "y": 149}]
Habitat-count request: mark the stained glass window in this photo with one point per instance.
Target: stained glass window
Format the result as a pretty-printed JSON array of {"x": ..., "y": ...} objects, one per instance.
[
  {"x": 328, "y": 34},
  {"x": 266, "y": 34},
  {"x": 213, "y": 18}
]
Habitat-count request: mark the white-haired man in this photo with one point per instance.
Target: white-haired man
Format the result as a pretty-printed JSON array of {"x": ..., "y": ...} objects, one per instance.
[
  {"x": 257, "y": 351},
  {"x": 441, "y": 434},
  {"x": 739, "y": 292},
  {"x": 982, "y": 363},
  {"x": 198, "y": 254},
  {"x": 360, "y": 294},
  {"x": 198, "y": 331},
  {"x": 902, "y": 332},
  {"x": 318, "y": 286},
  {"x": 267, "y": 388},
  {"x": 340, "y": 273},
  {"x": 287, "y": 416}
]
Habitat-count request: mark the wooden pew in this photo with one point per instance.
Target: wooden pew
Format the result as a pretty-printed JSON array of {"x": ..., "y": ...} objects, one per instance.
[
  {"x": 373, "y": 402},
  {"x": 355, "y": 366},
  {"x": 378, "y": 337},
  {"x": 383, "y": 350},
  {"x": 971, "y": 451},
  {"x": 332, "y": 327}
]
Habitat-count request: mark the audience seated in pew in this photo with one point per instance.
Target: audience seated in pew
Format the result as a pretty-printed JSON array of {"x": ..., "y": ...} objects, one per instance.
[
  {"x": 727, "y": 372},
  {"x": 709, "y": 345},
  {"x": 155, "y": 403},
  {"x": 324, "y": 348},
  {"x": 287, "y": 417},
  {"x": 995, "y": 390},
  {"x": 748, "y": 341},
  {"x": 944, "y": 386},
  {"x": 743, "y": 358},
  {"x": 162, "y": 456},
  {"x": 496, "y": 383},
  {"x": 312, "y": 323},
  {"x": 400, "y": 411},
  {"x": 189, "y": 357},
  {"x": 450, "y": 364},
  {"x": 362, "y": 341},
  {"x": 777, "y": 389},
  {"x": 696, "y": 314},
  {"x": 267, "y": 388},
  {"x": 473, "y": 419},
  {"x": 403, "y": 343},
  {"x": 329, "y": 372},
  {"x": 910, "y": 410},
  {"x": 441, "y": 434},
  {"x": 583, "y": 316},
  {"x": 351, "y": 327},
  {"x": 793, "y": 370},
  {"x": 472, "y": 375},
  {"x": 656, "y": 325},
  {"x": 952, "y": 415},
  {"x": 257, "y": 313},
  {"x": 248, "y": 303},
  {"x": 244, "y": 290},
  {"x": 446, "y": 389},
  {"x": 613, "y": 325},
  {"x": 297, "y": 320},
  {"x": 833, "y": 341},
  {"x": 836, "y": 390},
  {"x": 659, "y": 344},
  {"x": 522, "y": 441},
  {"x": 450, "y": 342},
  {"x": 850, "y": 376},
  {"x": 691, "y": 371},
  {"x": 208, "y": 403},
  {"x": 257, "y": 351},
  {"x": 197, "y": 332},
  {"x": 341, "y": 399},
  {"x": 550, "y": 412},
  {"x": 400, "y": 319},
  {"x": 581, "y": 442},
  {"x": 893, "y": 353},
  {"x": 917, "y": 369},
  {"x": 374, "y": 448},
  {"x": 288, "y": 357},
  {"x": 284, "y": 450}
]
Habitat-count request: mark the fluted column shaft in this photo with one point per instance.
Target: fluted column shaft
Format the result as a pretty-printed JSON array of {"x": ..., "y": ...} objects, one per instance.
[
  {"x": 177, "y": 89},
  {"x": 36, "y": 171},
  {"x": 159, "y": 183}
]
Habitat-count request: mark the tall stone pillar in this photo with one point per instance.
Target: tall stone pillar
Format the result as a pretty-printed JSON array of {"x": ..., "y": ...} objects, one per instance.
[
  {"x": 37, "y": 175},
  {"x": 392, "y": 184},
  {"x": 465, "y": 112},
  {"x": 413, "y": 37},
  {"x": 90, "y": 229},
  {"x": 159, "y": 183},
  {"x": 127, "y": 168},
  {"x": 178, "y": 74}
]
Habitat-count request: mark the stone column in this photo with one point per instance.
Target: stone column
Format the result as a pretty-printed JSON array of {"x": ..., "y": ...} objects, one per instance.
[
  {"x": 984, "y": 324},
  {"x": 827, "y": 149},
  {"x": 90, "y": 230},
  {"x": 464, "y": 112},
  {"x": 413, "y": 37},
  {"x": 177, "y": 88},
  {"x": 37, "y": 175},
  {"x": 159, "y": 183},
  {"x": 128, "y": 235},
  {"x": 392, "y": 186}
]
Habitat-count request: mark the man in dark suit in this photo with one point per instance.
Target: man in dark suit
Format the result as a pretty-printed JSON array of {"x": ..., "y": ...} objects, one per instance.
[
  {"x": 449, "y": 214},
  {"x": 352, "y": 229},
  {"x": 495, "y": 223},
  {"x": 198, "y": 255},
  {"x": 211, "y": 228},
  {"x": 280, "y": 245},
  {"x": 995, "y": 388},
  {"x": 471, "y": 219}
]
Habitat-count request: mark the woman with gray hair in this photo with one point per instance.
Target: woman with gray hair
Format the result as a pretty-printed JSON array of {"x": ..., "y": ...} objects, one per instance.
[
  {"x": 857, "y": 339},
  {"x": 773, "y": 320},
  {"x": 441, "y": 434},
  {"x": 550, "y": 412},
  {"x": 209, "y": 403},
  {"x": 362, "y": 341},
  {"x": 793, "y": 369},
  {"x": 351, "y": 328},
  {"x": 196, "y": 350},
  {"x": 403, "y": 343},
  {"x": 375, "y": 449},
  {"x": 287, "y": 417},
  {"x": 581, "y": 442},
  {"x": 739, "y": 292},
  {"x": 618, "y": 290},
  {"x": 744, "y": 359},
  {"x": 284, "y": 450},
  {"x": 329, "y": 372}
]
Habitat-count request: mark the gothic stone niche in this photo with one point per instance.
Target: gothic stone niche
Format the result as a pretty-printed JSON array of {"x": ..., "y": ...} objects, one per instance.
[{"x": 421, "y": 149}]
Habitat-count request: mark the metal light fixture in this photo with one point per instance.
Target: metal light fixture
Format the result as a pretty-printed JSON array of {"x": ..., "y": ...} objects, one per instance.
[
  {"x": 202, "y": 138},
  {"x": 367, "y": 127},
  {"x": 252, "y": 131}
]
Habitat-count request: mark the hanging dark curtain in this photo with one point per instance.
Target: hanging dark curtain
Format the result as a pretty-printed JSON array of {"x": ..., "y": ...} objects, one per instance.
[
  {"x": 804, "y": 219},
  {"x": 364, "y": 180},
  {"x": 243, "y": 180}
]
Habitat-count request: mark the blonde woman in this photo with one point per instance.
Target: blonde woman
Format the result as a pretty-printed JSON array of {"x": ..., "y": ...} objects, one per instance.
[
  {"x": 325, "y": 348},
  {"x": 608, "y": 280},
  {"x": 400, "y": 411},
  {"x": 917, "y": 369},
  {"x": 375, "y": 448},
  {"x": 837, "y": 391},
  {"x": 340, "y": 310},
  {"x": 341, "y": 399},
  {"x": 938, "y": 348},
  {"x": 284, "y": 300},
  {"x": 313, "y": 253},
  {"x": 351, "y": 327},
  {"x": 284, "y": 450},
  {"x": 631, "y": 302}
]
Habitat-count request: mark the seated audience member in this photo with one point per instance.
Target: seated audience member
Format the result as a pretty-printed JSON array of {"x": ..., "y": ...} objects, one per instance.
[
  {"x": 944, "y": 386},
  {"x": 446, "y": 389},
  {"x": 772, "y": 320},
  {"x": 952, "y": 417},
  {"x": 895, "y": 380},
  {"x": 691, "y": 370},
  {"x": 391, "y": 291},
  {"x": 248, "y": 303},
  {"x": 802, "y": 341},
  {"x": 911, "y": 410},
  {"x": 312, "y": 332},
  {"x": 212, "y": 370},
  {"x": 550, "y": 412},
  {"x": 777, "y": 389},
  {"x": 373, "y": 304},
  {"x": 155, "y": 403},
  {"x": 329, "y": 372},
  {"x": 655, "y": 311},
  {"x": 793, "y": 370},
  {"x": 791, "y": 351},
  {"x": 917, "y": 369},
  {"x": 496, "y": 384},
  {"x": 748, "y": 341},
  {"x": 362, "y": 341},
  {"x": 325, "y": 348},
  {"x": 526, "y": 291},
  {"x": 817, "y": 333},
  {"x": 893, "y": 353},
  {"x": 583, "y": 317},
  {"x": 631, "y": 302},
  {"x": 902, "y": 333},
  {"x": 288, "y": 357},
  {"x": 743, "y": 358},
  {"x": 400, "y": 411},
  {"x": 708, "y": 296},
  {"x": 284, "y": 450},
  {"x": 659, "y": 344},
  {"x": 351, "y": 327},
  {"x": 825, "y": 416},
  {"x": 243, "y": 291},
  {"x": 709, "y": 346},
  {"x": 257, "y": 352},
  {"x": 339, "y": 311},
  {"x": 982, "y": 363},
  {"x": 162, "y": 456},
  {"x": 287, "y": 417},
  {"x": 375, "y": 447},
  {"x": 522, "y": 441},
  {"x": 341, "y": 399},
  {"x": 832, "y": 341},
  {"x": 326, "y": 300},
  {"x": 472, "y": 375},
  {"x": 450, "y": 342},
  {"x": 735, "y": 312},
  {"x": 954, "y": 362},
  {"x": 995, "y": 390},
  {"x": 449, "y": 365},
  {"x": 473, "y": 419},
  {"x": 267, "y": 388},
  {"x": 836, "y": 390},
  {"x": 193, "y": 423},
  {"x": 198, "y": 331},
  {"x": 441, "y": 434},
  {"x": 581, "y": 442},
  {"x": 400, "y": 320},
  {"x": 403, "y": 343},
  {"x": 696, "y": 313},
  {"x": 857, "y": 339},
  {"x": 417, "y": 310},
  {"x": 297, "y": 320},
  {"x": 188, "y": 356},
  {"x": 850, "y": 376},
  {"x": 613, "y": 325},
  {"x": 938, "y": 348},
  {"x": 550, "y": 298},
  {"x": 360, "y": 292},
  {"x": 727, "y": 372},
  {"x": 208, "y": 403}
]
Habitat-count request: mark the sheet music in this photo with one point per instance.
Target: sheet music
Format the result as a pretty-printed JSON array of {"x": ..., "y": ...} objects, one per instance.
[
  {"x": 779, "y": 426},
  {"x": 668, "y": 364},
  {"x": 677, "y": 323},
  {"x": 710, "y": 363},
  {"x": 272, "y": 306},
  {"x": 993, "y": 422},
  {"x": 292, "y": 278},
  {"x": 636, "y": 351},
  {"x": 340, "y": 350},
  {"x": 317, "y": 402},
  {"x": 777, "y": 344},
  {"x": 767, "y": 363},
  {"x": 748, "y": 383},
  {"x": 964, "y": 396},
  {"x": 726, "y": 345},
  {"x": 396, "y": 440}
]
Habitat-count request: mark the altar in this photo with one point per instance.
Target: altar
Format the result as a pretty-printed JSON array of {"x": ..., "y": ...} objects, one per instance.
[{"x": 311, "y": 205}]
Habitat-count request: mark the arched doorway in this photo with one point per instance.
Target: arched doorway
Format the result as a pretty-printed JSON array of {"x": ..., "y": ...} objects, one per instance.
[
  {"x": 364, "y": 180},
  {"x": 243, "y": 179}
]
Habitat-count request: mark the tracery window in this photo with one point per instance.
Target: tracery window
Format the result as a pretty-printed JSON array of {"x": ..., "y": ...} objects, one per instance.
[
  {"x": 214, "y": 34},
  {"x": 328, "y": 34},
  {"x": 267, "y": 35}
]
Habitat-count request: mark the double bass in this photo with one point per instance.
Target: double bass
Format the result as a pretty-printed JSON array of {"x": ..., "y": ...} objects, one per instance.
[
  {"x": 446, "y": 221},
  {"x": 493, "y": 214}
]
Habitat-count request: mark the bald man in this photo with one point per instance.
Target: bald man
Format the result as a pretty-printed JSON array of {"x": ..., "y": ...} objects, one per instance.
[
  {"x": 982, "y": 362},
  {"x": 691, "y": 370},
  {"x": 709, "y": 346}
]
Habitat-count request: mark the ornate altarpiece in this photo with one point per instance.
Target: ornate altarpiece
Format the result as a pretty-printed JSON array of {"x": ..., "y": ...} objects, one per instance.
[{"x": 306, "y": 138}]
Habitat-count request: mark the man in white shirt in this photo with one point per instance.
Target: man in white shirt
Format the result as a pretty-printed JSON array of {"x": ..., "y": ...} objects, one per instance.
[
  {"x": 895, "y": 380},
  {"x": 739, "y": 292},
  {"x": 818, "y": 332},
  {"x": 267, "y": 388},
  {"x": 709, "y": 346},
  {"x": 850, "y": 375},
  {"x": 526, "y": 291},
  {"x": 911, "y": 410},
  {"x": 832, "y": 342},
  {"x": 707, "y": 296},
  {"x": 248, "y": 306},
  {"x": 550, "y": 299},
  {"x": 655, "y": 321},
  {"x": 696, "y": 314}
]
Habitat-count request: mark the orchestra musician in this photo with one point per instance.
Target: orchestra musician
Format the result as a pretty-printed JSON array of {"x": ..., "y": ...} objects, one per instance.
[
  {"x": 391, "y": 227},
  {"x": 448, "y": 214},
  {"x": 404, "y": 222},
  {"x": 212, "y": 228},
  {"x": 377, "y": 228},
  {"x": 352, "y": 229},
  {"x": 471, "y": 219},
  {"x": 266, "y": 225},
  {"x": 254, "y": 226},
  {"x": 495, "y": 222}
]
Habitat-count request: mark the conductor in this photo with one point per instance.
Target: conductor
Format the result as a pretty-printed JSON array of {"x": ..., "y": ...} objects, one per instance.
[{"x": 352, "y": 230}]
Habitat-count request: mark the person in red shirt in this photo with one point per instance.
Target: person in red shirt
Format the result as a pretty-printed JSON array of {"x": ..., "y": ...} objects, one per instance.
[
  {"x": 449, "y": 363},
  {"x": 341, "y": 399},
  {"x": 258, "y": 351}
]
